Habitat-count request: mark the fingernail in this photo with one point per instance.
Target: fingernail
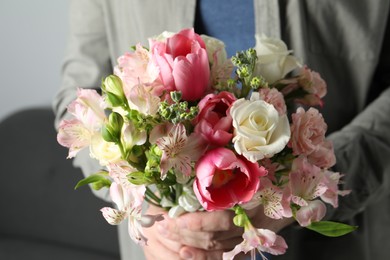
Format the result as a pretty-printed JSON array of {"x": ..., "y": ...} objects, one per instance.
[{"x": 186, "y": 254}]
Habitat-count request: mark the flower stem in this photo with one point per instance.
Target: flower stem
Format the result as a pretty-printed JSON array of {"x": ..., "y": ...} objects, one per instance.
[{"x": 151, "y": 196}]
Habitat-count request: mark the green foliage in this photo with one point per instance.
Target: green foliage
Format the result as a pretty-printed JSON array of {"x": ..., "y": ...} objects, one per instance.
[
  {"x": 179, "y": 111},
  {"x": 331, "y": 229},
  {"x": 245, "y": 61},
  {"x": 97, "y": 181}
]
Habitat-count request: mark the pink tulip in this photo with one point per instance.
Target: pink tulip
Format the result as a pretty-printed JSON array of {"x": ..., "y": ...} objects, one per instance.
[
  {"x": 214, "y": 121},
  {"x": 224, "y": 179},
  {"x": 183, "y": 64}
]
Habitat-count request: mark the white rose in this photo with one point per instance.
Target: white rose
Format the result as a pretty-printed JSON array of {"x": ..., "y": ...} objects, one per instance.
[
  {"x": 104, "y": 152},
  {"x": 259, "y": 131},
  {"x": 274, "y": 59}
]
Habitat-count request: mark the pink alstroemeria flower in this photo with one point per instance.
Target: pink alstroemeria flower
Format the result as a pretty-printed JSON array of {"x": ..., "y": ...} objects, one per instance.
[
  {"x": 183, "y": 64},
  {"x": 272, "y": 199},
  {"x": 88, "y": 110},
  {"x": 118, "y": 172},
  {"x": 73, "y": 135},
  {"x": 262, "y": 240},
  {"x": 179, "y": 151},
  {"x": 307, "y": 182},
  {"x": 331, "y": 196},
  {"x": 214, "y": 120},
  {"x": 124, "y": 199},
  {"x": 224, "y": 179}
]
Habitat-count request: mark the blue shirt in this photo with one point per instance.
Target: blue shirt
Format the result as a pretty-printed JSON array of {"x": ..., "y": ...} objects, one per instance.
[{"x": 231, "y": 21}]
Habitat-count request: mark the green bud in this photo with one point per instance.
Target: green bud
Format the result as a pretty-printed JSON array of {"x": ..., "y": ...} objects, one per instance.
[
  {"x": 137, "y": 151},
  {"x": 255, "y": 83},
  {"x": 240, "y": 220},
  {"x": 107, "y": 134},
  {"x": 176, "y": 96},
  {"x": 114, "y": 100},
  {"x": 115, "y": 120},
  {"x": 113, "y": 84},
  {"x": 137, "y": 178}
]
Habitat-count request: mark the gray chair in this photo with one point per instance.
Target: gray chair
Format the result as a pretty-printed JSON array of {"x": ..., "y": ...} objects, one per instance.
[{"x": 41, "y": 215}]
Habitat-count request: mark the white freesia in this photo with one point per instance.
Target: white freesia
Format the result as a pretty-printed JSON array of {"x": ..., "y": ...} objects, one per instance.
[
  {"x": 274, "y": 59},
  {"x": 104, "y": 152},
  {"x": 187, "y": 202},
  {"x": 259, "y": 131}
]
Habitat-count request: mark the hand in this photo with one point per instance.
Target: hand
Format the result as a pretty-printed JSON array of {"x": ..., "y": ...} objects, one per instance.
[
  {"x": 204, "y": 235},
  {"x": 259, "y": 220},
  {"x": 158, "y": 247}
]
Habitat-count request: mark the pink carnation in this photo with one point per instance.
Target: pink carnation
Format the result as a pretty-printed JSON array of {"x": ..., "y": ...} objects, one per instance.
[
  {"x": 224, "y": 180},
  {"x": 314, "y": 85},
  {"x": 214, "y": 121},
  {"x": 307, "y": 131},
  {"x": 323, "y": 156},
  {"x": 275, "y": 98}
]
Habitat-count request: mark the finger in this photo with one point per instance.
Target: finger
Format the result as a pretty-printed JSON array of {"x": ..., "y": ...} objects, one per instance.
[
  {"x": 207, "y": 221},
  {"x": 199, "y": 254},
  {"x": 159, "y": 252},
  {"x": 211, "y": 244}
]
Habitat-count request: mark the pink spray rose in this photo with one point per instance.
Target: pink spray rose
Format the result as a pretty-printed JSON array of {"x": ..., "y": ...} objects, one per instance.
[
  {"x": 214, "y": 120},
  {"x": 224, "y": 179},
  {"x": 183, "y": 63}
]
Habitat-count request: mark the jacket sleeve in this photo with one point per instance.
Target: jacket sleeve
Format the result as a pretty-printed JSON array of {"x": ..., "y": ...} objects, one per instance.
[
  {"x": 86, "y": 62},
  {"x": 362, "y": 147},
  {"x": 363, "y": 154}
]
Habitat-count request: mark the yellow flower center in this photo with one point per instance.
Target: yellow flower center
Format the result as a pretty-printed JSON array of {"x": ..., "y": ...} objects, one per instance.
[{"x": 221, "y": 177}]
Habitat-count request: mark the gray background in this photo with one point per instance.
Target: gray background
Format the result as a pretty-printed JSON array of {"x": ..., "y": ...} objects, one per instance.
[{"x": 32, "y": 43}]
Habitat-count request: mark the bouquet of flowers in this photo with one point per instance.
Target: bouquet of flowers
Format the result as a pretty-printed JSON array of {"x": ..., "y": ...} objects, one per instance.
[{"x": 181, "y": 126}]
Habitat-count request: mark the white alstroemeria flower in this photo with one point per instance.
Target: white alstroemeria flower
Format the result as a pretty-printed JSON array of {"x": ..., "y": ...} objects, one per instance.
[{"x": 124, "y": 200}]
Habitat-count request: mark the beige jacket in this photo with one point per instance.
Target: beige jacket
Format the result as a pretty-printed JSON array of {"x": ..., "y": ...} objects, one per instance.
[{"x": 343, "y": 40}]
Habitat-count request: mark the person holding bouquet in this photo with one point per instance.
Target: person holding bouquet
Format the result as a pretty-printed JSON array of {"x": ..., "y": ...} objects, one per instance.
[{"x": 347, "y": 43}]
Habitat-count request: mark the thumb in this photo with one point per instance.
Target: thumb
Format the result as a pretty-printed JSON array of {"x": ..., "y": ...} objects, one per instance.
[{"x": 192, "y": 253}]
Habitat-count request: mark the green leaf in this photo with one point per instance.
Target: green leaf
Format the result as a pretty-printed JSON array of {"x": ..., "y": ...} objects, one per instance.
[
  {"x": 331, "y": 229},
  {"x": 98, "y": 181}
]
